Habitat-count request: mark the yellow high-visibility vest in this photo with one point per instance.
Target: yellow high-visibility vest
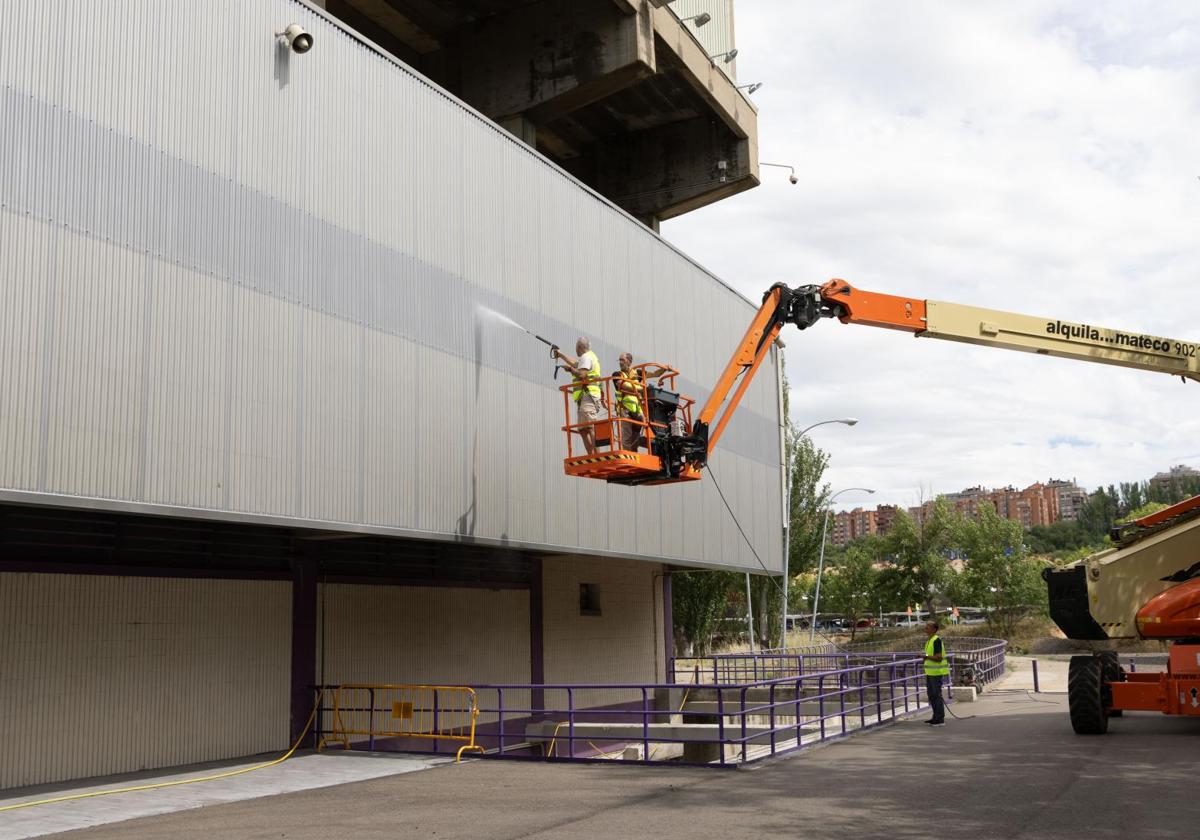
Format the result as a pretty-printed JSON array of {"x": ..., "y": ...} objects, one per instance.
[
  {"x": 591, "y": 364},
  {"x": 632, "y": 403},
  {"x": 934, "y": 668}
]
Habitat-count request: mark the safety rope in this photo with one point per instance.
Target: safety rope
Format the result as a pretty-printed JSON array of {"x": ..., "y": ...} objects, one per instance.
[{"x": 741, "y": 531}]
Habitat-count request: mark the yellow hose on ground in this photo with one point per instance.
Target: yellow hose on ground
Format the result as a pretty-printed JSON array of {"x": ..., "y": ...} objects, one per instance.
[{"x": 176, "y": 783}]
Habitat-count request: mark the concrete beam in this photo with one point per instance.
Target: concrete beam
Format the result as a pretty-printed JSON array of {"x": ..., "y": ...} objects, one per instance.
[
  {"x": 667, "y": 171},
  {"x": 521, "y": 128},
  {"x": 554, "y": 57},
  {"x": 721, "y": 93},
  {"x": 378, "y": 14}
]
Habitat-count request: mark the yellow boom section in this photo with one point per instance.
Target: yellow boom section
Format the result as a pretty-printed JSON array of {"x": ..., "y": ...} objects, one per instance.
[{"x": 1055, "y": 337}]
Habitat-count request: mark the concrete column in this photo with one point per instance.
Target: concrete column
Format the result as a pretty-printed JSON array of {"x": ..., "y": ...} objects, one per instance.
[
  {"x": 650, "y": 221},
  {"x": 304, "y": 637},
  {"x": 537, "y": 638},
  {"x": 668, "y": 621},
  {"x": 520, "y": 127}
]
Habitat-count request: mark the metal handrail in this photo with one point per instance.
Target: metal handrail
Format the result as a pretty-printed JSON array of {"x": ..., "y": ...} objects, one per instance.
[{"x": 828, "y": 696}]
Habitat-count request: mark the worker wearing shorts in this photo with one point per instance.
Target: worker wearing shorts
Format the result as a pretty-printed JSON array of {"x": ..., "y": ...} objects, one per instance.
[{"x": 585, "y": 370}]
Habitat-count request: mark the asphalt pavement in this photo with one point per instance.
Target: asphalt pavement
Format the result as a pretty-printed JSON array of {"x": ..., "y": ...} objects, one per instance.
[{"x": 1009, "y": 767}]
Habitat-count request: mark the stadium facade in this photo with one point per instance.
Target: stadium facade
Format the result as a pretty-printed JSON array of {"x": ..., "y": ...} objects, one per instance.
[{"x": 254, "y": 432}]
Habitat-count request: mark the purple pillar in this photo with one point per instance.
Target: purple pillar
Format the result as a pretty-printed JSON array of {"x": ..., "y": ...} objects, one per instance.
[
  {"x": 304, "y": 637},
  {"x": 537, "y": 641},
  {"x": 668, "y": 623}
]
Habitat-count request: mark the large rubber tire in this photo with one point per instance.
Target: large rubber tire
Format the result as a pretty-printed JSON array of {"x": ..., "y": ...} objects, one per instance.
[
  {"x": 1085, "y": 683},
  {"x": 1112, "y": 672}
]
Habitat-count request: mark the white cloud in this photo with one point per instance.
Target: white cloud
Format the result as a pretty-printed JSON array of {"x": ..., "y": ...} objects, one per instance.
[{"x": 1028, "y": 156}]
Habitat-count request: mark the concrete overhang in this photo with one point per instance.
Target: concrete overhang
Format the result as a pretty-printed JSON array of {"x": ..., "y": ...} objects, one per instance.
[{"x": 618, "y": 92}]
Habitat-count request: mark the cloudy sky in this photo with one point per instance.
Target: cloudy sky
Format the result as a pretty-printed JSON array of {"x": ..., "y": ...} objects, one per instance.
[{"x": 1037, "y": 157}]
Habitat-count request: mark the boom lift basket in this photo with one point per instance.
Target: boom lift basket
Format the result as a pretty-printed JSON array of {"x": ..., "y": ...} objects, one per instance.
[{"x": 666, "y": 416}]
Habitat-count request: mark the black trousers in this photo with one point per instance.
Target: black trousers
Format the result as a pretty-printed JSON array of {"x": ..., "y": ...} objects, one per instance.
[{"x": 933, "y": 686}]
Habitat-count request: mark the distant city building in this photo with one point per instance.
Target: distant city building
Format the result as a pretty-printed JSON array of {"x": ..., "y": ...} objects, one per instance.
[
  {"x": 853, "y": 524},
  {"x": 884, "y": 514},
  {"x": 839, "y": 534},
  {"x": 1071, "y": 498},
  {"x": 862, "y": 523},
  {"x": 1038, "y": 504},
  {"x": 1174, "y": 474}
]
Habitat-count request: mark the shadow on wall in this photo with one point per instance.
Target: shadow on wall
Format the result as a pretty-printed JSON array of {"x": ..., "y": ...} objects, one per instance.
[
  {"x": 466, "y": 522},
  {"x": 283, "y": 66}
]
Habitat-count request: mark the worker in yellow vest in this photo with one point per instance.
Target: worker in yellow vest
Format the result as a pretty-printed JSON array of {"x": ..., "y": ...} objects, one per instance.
[
  {"x": 630, "y": 387},
  {"x": 937, "y": 666},
  {"x": 585, "y": 370}
]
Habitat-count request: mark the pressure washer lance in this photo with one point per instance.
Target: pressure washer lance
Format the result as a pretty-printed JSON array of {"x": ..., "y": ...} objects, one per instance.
[{"x": 553, "y": 349}]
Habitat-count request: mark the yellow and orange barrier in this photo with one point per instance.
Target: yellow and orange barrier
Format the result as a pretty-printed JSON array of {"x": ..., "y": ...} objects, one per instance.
[{"x": 432, "y": 712}]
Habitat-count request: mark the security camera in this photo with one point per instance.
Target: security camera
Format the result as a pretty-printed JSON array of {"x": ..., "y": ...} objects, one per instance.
[
  {"x": 793, "y": 179},
  {"x": 295, "y": 39}
]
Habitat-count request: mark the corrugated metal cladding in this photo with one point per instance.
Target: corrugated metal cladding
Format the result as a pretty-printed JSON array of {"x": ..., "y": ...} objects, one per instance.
[
  {"x": 241, "y": 281},
  {"x": 98, "y": 674},
  {"x": 717, "y": 34}
]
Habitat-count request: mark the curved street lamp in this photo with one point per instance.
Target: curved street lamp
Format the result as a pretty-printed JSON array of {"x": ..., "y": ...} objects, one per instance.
[
  {"x": 812, "y": 627},
  {"x": 787, "y": 522},
  {"x": 849, "y": 421}
]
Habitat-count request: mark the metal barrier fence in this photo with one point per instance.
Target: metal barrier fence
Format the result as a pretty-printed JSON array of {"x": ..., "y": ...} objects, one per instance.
[
  {"x": 972, "y": 660},
  {"x": 723, "y": 724},
  {"x": 737, "y": 708},
  {"x": 423, "y": 712}
]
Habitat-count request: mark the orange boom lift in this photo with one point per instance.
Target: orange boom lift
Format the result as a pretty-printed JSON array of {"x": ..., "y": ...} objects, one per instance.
[{"x": 1148, "y": 586}]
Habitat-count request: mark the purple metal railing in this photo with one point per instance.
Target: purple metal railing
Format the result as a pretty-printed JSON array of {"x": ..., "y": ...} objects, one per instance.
[
  {"x": 739, "y": 708},
  {"x": 984, "y": 656}
]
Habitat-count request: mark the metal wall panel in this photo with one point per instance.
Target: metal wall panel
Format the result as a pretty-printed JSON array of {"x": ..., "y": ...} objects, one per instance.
[
  {"x": 240, "y": 282},
  {"x": 717, "y": 34},
  {"x": 138, "y": 672}
]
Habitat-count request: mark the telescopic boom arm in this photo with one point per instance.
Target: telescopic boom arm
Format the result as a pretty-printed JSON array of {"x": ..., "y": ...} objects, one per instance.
[
  {"x": 1010, "y": 331},
  {"x": 806, "y": 305}
]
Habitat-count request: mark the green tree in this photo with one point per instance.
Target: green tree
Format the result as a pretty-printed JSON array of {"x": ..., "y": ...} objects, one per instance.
[
  {"x": 851, "y": 586},
  {"x": 917, "y": 552},
  {"x": 1172, "y": 490},
  {"x": 998, "y": 574},
  {"x": 1098, "y": 514},
  {"x": 808, "y": 500},
  {"x": 1058, "y": 537},
  {"x": 1133, "y": 495},
  {"x": 1143, "y": 510},
  {"x": 698, "y": 602}
]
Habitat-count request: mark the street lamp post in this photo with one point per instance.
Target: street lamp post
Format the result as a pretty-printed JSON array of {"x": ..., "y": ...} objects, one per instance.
[
  {"x": 787, "y": 521},
  {"x": 812, "y": 627}
]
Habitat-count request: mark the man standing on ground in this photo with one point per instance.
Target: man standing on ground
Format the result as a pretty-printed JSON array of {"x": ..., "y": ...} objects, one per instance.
[
  {"x": 586, "y": 372},
  {"x": 936, "y": 667}
]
